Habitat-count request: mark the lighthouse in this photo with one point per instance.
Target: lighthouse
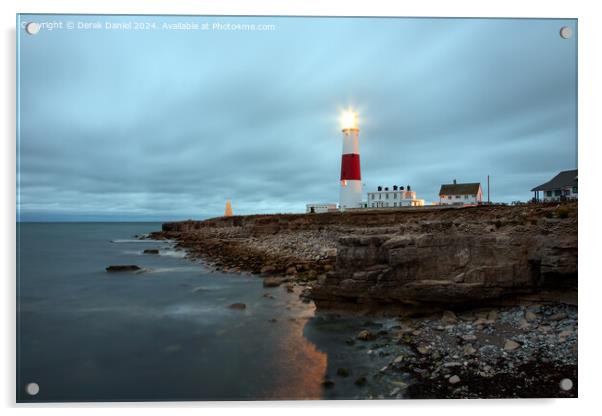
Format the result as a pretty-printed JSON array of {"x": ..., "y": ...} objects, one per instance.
[{"x": 351, "y": 178}]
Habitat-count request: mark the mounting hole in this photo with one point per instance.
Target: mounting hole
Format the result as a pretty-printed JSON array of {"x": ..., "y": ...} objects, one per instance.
[
  {"x": 32, "y": 28},
  {"x": 566, "y": 384},
  {"x": 32, "y": 389},
  {"x": 566, "y": 32}
]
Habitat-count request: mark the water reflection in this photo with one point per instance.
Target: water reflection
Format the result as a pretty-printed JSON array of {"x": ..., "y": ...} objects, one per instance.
[{"x": 301, "y": 366}]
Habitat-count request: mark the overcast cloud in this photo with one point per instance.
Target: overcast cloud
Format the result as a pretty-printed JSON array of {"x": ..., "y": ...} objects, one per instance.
[{"x": 160, "y": 125}]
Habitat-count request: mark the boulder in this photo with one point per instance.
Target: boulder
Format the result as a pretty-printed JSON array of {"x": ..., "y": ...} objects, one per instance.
[
  {"x": 492, "y": 316},
  {"x": 273, "y": 281},
  {"x": 267, "y": 269},
  {"x": 151, "y": 251},
  {"x": 327, "y": 383},
  {"x": 558, "y": 316},
  {"x": 365, "y": 335},
  {"x": 239, "y": 306},
  {"x": 123, "y": 268},
  {"x": 449, "y": 318},
  {"x": 361, "y": 381}
]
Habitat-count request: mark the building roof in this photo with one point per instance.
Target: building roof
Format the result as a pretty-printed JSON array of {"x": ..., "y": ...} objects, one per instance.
[
  {"x": 460, "y": 189},
  {"x": 563, "y": 179}
]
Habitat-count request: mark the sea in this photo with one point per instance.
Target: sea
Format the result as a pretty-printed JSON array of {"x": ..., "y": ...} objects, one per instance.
[{"x": 167, "y": 333}]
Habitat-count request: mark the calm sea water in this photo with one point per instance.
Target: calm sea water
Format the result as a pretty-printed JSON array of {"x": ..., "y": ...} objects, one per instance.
[{"x": 166, "y": 334}]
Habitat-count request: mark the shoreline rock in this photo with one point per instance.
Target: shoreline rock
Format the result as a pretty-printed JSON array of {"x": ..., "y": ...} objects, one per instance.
[
  {"x": 123, "y": 268},
  {"x": 397, "y": 261},
  {"x": 469, "y": 360}
]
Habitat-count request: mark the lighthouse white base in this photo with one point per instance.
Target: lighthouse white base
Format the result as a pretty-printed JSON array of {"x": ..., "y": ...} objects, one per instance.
[{"x": 350, "y": 195}]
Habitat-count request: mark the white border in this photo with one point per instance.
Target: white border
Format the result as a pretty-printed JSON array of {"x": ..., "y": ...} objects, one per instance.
[{"x": 590, "y": 115}]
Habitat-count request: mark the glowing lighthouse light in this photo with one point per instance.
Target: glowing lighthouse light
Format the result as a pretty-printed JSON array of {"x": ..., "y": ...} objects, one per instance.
[
  {"x": 351, "y": 178},
  {"x": 349, "y": 120}
]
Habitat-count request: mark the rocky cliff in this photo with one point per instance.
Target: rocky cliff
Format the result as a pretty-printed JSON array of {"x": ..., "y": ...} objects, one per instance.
[
  {"x": 377, "y": 259},
  {"x": 463, "y": 260}
]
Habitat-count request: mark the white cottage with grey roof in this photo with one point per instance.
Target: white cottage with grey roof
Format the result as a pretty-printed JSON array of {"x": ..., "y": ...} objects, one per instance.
[
  {"x": 461, "y": 193},
  {"x": 562, "y": 187}
]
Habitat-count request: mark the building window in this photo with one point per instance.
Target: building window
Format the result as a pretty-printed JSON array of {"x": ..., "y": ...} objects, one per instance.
[
  {"x": 395, "y": 196},
  {"x": 449, "y": 197},
  {"x": 465, "y": 196},
  {"x": 457, "y": 196},
  {"x": 380, "y": 196},
  {"x": 574, "y": 189},
  {"x": 557, "y": 192},
  {"x": 548, "y": 193},
  {"x": 394, "y": 204},
  {"x": 373, "y": 203},
  {"x": 372, "y": 197},
  {"x": 387, "y": 196}
]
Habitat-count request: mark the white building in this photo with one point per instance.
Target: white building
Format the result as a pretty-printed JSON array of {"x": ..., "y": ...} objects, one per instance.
[
  {"x": 561, "y": 187},
  {"x": 395, "y": 197},
  {"x": 461, "y": 194},
  {"x": 320, "y": 208}
]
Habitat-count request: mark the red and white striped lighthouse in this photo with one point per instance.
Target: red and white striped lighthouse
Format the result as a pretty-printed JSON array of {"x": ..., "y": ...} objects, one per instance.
[{"x": 351, "y": 178}]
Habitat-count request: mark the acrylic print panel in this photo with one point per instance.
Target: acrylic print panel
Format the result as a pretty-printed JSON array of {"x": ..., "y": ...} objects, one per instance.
[{"x": 267, "y": 208}]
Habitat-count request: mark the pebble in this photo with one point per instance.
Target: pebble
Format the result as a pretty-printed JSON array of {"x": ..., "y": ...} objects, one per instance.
[
  {"x": 511, "y": 345},
  {"x": 422, "y": 349},
  {"x": 454, "y": 379},
  {"x": 399, "y": 384},
  {"x": 523, "y": 324},
  {"x": 565, "y": 333},
  {"x": 545, "y": 328},
  {"x": 452, "y": 364},
  {"x": 469, "y": 350}
]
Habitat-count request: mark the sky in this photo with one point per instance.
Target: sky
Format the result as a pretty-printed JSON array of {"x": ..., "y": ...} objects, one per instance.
[{"x": 154, "y": 123}]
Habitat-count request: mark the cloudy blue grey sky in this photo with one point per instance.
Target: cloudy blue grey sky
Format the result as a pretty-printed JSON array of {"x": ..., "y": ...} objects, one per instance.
[{"x": 168, "y": 124}]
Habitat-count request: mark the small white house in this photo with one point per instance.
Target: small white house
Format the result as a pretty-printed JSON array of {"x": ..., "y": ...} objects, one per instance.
[
  {"x": 320, "y": 208},
  {"x": 396, "y": 197},
  {"x": 561, "y": 187},
  {"x": 460, "y": 194}
]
